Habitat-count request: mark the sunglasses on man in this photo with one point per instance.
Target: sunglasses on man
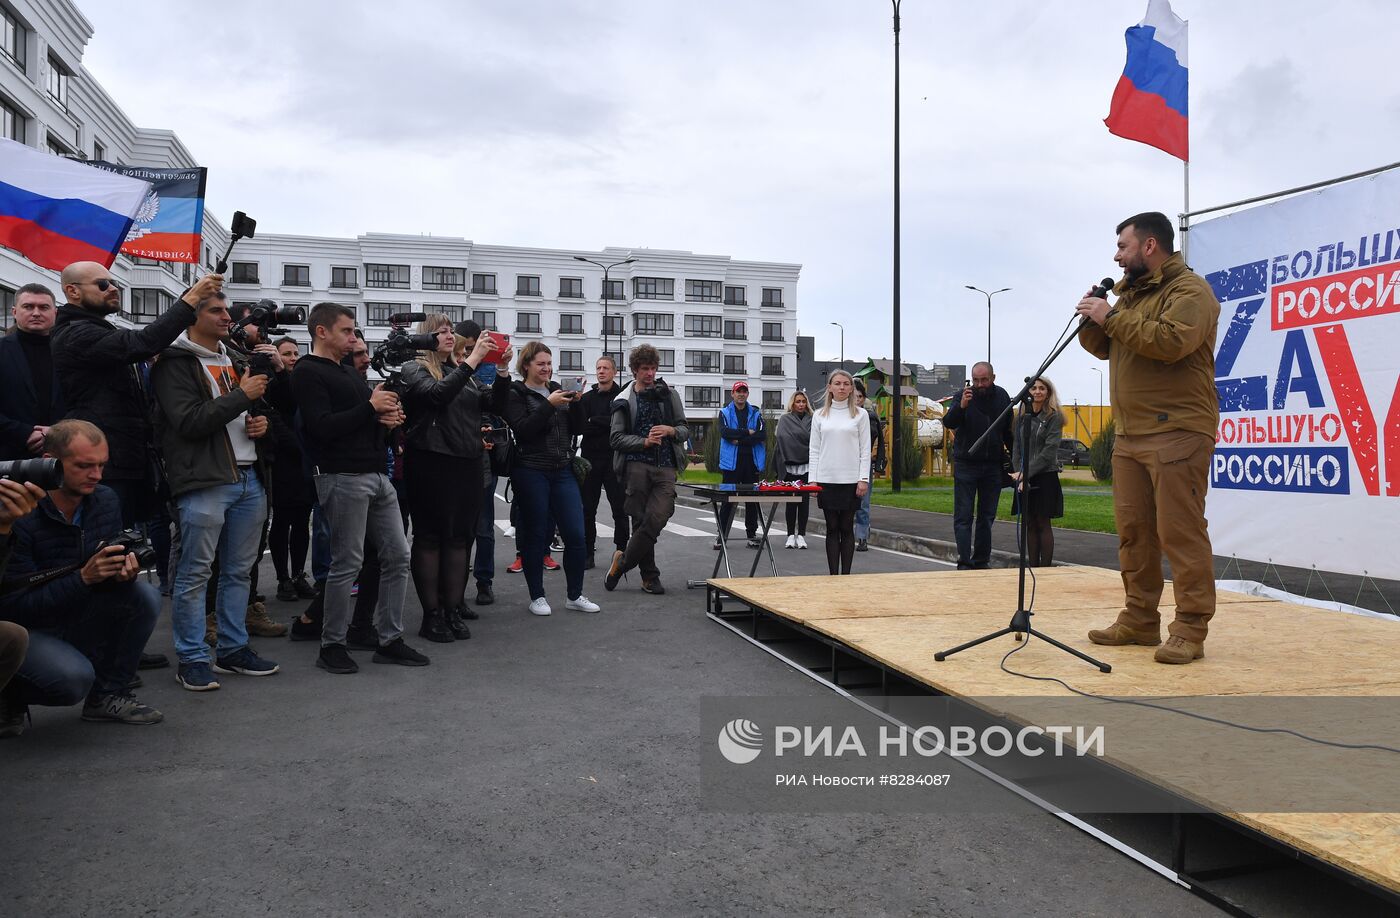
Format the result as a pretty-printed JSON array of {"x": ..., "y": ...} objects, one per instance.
[{"x": 102, "y": 283}]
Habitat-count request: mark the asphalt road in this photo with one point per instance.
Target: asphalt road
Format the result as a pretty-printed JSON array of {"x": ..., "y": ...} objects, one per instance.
[{"x": 547, "y": 766}]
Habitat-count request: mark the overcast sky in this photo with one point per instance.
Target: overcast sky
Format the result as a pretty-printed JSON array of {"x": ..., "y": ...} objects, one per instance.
[{"x": 759, "y": 129}]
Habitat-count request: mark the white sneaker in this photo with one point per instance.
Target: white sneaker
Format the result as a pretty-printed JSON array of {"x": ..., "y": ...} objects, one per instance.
[
  {"x": 791, "y": 542},
  {"x": 801, "y": 542},
  {"x": 510, "y": 532},
  {"x": 581, "y": 603},
  {"x": 540, "y": 607}
]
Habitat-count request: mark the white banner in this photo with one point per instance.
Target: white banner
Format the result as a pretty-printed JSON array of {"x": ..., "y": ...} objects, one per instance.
[{"x": 1307, "y": 462}]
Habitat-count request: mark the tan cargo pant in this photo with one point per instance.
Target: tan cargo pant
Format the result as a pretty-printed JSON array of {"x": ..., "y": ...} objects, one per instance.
[{"x": 1159, "y": 502}]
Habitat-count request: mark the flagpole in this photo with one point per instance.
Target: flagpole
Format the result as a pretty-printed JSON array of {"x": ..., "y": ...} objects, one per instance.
[{"x": 1185, "y": 228}]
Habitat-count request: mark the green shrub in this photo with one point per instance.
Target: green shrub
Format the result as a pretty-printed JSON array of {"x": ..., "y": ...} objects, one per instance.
[
  {"x": 911, "y": 465},
  {"x": 710, "y": 447},
  {"x": 1101, "y": 453}
]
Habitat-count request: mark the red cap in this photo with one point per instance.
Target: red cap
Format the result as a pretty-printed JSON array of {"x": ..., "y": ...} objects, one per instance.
[{"x": 739, "y": 385}]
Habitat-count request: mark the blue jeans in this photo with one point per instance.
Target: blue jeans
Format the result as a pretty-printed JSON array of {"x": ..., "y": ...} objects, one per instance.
[
  {"x": 546, "y": 500},
  {"x": 979, "y": 483},
  {"x": 320, "y": 545},
  {"x": 862, "y": 527},
  {"x": 484, "y": 564},
  {"x": 96, "y": 653},
  {"x": 226, "y": 520}
]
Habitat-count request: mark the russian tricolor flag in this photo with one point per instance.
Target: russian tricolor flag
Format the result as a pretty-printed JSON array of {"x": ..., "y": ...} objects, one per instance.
[
  {"x": 1149, "y": 103},
  {"x": 56, "y": 211}
]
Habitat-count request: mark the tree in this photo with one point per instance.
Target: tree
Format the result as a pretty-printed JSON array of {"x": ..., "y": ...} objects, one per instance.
[
  {"x": 911, "y": 453},
  {"x": 1101, "y": 453}
]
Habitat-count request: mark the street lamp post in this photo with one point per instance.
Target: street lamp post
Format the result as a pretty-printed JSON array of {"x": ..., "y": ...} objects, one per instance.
[
  {"x": 896, "y": 439},
  {"x": 989, "y": 313},
  {"x": 606, "y": 268},
  {"x": 843, "y": 343}
]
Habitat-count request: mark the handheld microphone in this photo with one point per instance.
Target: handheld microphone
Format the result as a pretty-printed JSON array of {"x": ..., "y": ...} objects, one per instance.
[{"x": 1101, "y": 291}]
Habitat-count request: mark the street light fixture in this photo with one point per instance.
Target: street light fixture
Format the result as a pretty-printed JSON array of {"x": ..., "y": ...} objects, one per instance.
[
  {"x": 606, "y": 314},
  {"x": 843, "y": 343},
  {"x": 989, "y": 313}
]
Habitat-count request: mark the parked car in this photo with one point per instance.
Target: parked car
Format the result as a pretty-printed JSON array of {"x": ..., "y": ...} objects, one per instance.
[{"x": 1072, "y": 452}]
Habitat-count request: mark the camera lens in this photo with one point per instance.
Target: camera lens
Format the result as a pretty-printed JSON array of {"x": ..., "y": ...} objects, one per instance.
[{"x": 46, "y": 473}]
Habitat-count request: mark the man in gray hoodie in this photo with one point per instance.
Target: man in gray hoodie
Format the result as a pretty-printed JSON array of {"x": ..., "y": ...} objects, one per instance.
[{"x": 210, "y": 443}]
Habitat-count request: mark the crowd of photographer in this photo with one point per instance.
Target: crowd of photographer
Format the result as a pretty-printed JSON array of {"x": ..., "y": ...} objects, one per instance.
[{"x": 200, "y": 431}]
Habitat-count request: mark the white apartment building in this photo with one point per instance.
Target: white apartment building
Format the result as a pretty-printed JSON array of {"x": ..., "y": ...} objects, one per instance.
[{"x": 714, "y": 319}]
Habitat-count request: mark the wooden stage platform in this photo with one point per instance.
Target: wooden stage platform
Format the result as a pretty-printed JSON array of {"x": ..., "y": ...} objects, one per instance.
[{"x": 1257, "y": 648}]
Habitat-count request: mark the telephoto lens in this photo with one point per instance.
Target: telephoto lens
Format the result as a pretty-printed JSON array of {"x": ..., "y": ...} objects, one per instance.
[{"x": 46, "y": 473}]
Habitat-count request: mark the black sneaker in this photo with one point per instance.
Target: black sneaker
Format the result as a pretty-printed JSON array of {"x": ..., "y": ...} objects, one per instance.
[
  {"x": 153, "y": 661},
  {"x": 484, "y": 596},
  {"x": 304, "y": 631},
  {"x": 13, "y": 712},
  {"x": 862, "y": 545},
  {"x": 286, "y": 591},
  {"x": 122, "y": 708},
  {"x": 362, "y": 639},
  {"x": 467, "y": 612},
  {"x": 653, "y": 587},
  {"x": 303, "y": 587},
  {"x": 396, "y": 651},
  {"x": 755, "y": 541},
  {"x": 334, "y": 658}
]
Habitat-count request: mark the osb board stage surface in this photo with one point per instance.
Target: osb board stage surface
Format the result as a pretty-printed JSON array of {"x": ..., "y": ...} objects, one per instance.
[{"x": 1257, "y": 647}]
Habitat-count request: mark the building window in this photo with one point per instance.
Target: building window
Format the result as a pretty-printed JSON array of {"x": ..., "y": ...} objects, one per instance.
[
  {"x": 379, "y": 313},
  {"x": 148, "y": 303},
  {"x": 296, "y": 275},
  {"x": 386, "y": 276},
  {"x": 57, "y": 85},
  {"x": 734, "y": 296},
  {"x": 58, "y": 147},
  {"x": 455, "y": 313},
  {"x": 653, "y": 323},
  {"x": 571, "y": 288},
  {"x": 527, "y": 285},
  {"x": 654, "y": 288},
  {"x": 702, "y": 361},
  {"x": 734, "y": 365},
  {"x": 345, "y": 278},
  {"x": 570, "y": 323},
  {"x": 702, "y": 326},
  {"x": 734, "y": 331},
  {"x": 702, "y": 396},
  {"x": 486, "y": 318},
  {"x": 99, "y": 152},
  {"x": 614, "y": 290},
  {"x": 612, "y": 325},
  {"x": 7, "y": 298},
  {"x": 618, "y": 357},
  {"x": 245, "y": 272},
  {"x": 14, "y": 122},
  {"x": 208, "y": 257},
  {"x": 772, "y": 366},
  {"x": 13, "y": 36},
  {"x": 700, "y": 291},
  {"x": 444, "y": 278},
  {"x": 668, "y": 360},
  {"x": 772, "y": 296},
  {"x": 484, "y": 283},
  {"x": 772, "y": 400},
  {"x": 571, "y": 360},
  {"x": 527, "y": 323},
  {"x": 772, "y": 331}
]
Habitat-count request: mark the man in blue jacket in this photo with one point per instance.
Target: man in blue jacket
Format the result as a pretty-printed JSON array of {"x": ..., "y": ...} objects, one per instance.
[
  {"x": 742, "y": 456},
  {"x": 87, "y": 627}
]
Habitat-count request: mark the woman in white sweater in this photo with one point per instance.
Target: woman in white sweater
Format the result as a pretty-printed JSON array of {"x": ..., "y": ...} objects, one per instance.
[{"x": 839, "y": 461}]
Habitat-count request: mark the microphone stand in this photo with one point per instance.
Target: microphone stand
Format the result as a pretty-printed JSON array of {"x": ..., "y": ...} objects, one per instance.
[{"x": 1021, "y": 619}]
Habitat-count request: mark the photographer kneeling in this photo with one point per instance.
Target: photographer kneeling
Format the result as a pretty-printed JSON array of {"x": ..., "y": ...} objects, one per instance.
[
  {"x": 87, "y": 627},
  {"x": 442, "y": 466}
]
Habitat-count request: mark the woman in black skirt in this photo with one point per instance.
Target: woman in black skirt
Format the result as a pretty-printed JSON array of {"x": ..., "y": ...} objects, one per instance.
[
  {"x": 839, "y": 461},
  {"x": 1040, "y": 498}
]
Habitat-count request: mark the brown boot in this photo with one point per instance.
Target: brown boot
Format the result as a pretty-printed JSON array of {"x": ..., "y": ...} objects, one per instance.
[
  {"x": 1179, "y": 650},
  {"x": 260, "y": 624},
  {"x": 1118, "y": 634}
]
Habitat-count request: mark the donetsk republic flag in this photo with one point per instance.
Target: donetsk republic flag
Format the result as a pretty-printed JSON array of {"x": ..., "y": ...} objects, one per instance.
[{"x": 170, "y": 220}]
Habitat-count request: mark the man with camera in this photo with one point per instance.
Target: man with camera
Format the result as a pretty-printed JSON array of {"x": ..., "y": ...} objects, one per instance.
[
  {"x": 977, "y": 477},
  {"x": 215, "y": 467},
  {"x": 597, "y": 449},
  {"x": 647, "y": 435},
  {"x": 30, "y": 396},
  {"x": 89, "y": 619},
  {"x": 95, "y": 363},
  {"x": 344, "y": 424}
]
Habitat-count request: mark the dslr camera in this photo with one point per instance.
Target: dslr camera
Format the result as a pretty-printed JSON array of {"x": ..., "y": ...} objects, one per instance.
[
  {"x": 134, "y": 542},
  {"x": 46, "y": 473}
]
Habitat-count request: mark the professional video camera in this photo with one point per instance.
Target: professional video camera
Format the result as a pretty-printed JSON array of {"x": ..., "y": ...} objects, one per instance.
[
  {"x": 46, "y": 473},
  {"x": 266, "y": 316},
  {"x": 400, "y": 347}
]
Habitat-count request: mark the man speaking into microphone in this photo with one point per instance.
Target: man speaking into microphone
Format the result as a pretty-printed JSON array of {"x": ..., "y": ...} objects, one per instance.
[{"x": 1159, "y": 341}]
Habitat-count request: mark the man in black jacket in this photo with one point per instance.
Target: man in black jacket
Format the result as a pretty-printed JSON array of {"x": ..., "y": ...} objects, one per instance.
[
  {"x": 95, "y": 363},
  {"x": 977, "y": 477},
  {"x": 30, "y": 397},
  {"x": 87, "y": 627},
  {"x": 602, "y": 477},
  {"x": 344, "y": 424}
]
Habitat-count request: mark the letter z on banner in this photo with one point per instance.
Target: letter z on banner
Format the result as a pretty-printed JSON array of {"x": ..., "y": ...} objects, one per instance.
[{"x": 1307, "y": 461}]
